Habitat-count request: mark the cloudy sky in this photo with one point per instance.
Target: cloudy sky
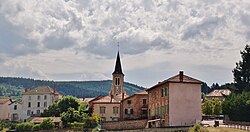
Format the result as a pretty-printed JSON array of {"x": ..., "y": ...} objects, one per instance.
[{"x": 77, "y": 39}]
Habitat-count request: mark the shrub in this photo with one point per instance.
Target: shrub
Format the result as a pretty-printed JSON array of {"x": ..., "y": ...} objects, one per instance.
[
  {"x": 26, "y": 126},
  {"x": 197, "y": 128},
  {"x": 47, "y": 124},
  {"x": 77, "y": 125},
  {"x": 36, "y": 127}
]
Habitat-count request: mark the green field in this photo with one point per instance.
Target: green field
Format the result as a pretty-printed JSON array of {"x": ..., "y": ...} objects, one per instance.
[{"x": 223, "y": 129}]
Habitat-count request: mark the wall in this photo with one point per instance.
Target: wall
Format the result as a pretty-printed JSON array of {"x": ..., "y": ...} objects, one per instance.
[
  {"x": 25, "y": 100},
  {"x": 4, "y": 110},
  {"x": 124, "y": 125},
  {"x": 108, "y": 111},
  {"x": 18, "y": 111},
  {"x": 184, "y": 103},
  {"x": 136, "y": 105}
]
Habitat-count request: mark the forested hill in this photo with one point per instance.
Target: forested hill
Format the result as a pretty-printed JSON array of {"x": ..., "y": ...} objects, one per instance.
[{"x": 10, "y": 86}]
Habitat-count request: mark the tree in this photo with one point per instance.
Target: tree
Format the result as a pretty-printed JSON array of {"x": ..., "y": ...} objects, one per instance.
[
  {"x": 67, "y": 102},
  {"x": 217, "y": 108},
  {"x": 207, "y": 107},
  {"x": 71, "y": 116},
  {"x": 242, "y": 71},
  {"x": 53, "y": 110},
  {"x": 47, "y": 124}
]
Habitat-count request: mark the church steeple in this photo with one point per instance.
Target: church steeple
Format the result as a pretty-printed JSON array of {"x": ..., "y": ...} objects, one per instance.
[
  {"x": 118, "y": 66},
  {"x": 117, "y": 90}
]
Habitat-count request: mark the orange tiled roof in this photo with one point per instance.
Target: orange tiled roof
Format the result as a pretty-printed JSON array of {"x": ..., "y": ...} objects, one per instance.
[
  {"x": 40, "y": 90},
  {"x": 4, "y": 100},
  {"x": 219, "y": 93},
  {"x": 176, "y": 79},
  {"x": 105, "y": 99}
]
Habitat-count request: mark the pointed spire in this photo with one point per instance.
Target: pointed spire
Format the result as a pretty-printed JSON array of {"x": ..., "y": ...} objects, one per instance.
[{"x": 118, "y": 67}]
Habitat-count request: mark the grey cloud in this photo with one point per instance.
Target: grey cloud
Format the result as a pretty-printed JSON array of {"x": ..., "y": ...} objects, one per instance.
[
  {"x": 57, "y": 42},
  {"x": 204, "y": 29},
  {"x": 13, "y": 41},
  {"x": 131, "y": 45}
]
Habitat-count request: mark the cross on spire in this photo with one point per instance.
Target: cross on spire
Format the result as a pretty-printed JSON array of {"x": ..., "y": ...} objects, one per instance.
[{"x": 118, "y": 45}]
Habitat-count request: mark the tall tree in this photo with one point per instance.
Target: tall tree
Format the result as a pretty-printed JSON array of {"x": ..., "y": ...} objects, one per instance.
[{"x": 242, "y": 71}]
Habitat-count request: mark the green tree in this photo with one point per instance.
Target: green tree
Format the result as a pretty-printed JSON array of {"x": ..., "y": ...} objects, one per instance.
[
  {"x": 53, "y": 110},
  {"x": 207, "y": 107},
  {"x": 242, "y": 71},
  {"x": 67, "y": 102},
  {"x": 217, "y": 108},
  {"x": 47, "y": 124},
  {"x": 71, "y": 116}
]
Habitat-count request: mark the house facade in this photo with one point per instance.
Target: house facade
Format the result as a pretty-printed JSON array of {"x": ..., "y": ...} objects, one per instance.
[
  {"x": 15, "y": 108},
  {"x": 175, "y": 102},
  {"x": 220, "y": 94},
  {"x": 4, "y": 108},
  {"x": 36, "y": 100},
  {"x": 135, "y": 106}
]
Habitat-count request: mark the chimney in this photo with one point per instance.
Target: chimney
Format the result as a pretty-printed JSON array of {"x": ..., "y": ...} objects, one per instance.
[
  {"x": 181, "y": 76},
  {"x": 122, "y": 96},
  {"x": 54, "y": 89}
]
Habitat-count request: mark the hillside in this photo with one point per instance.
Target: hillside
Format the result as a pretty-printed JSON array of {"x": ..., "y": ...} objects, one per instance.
[{"x": 10, "y": 86}]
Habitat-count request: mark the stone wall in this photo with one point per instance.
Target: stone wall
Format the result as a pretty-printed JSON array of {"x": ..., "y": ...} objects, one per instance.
[{"x": 124, "y": 125}]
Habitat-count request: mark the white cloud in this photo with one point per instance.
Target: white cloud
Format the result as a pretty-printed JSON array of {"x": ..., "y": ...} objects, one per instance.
[{"x": 80, "y": 37}]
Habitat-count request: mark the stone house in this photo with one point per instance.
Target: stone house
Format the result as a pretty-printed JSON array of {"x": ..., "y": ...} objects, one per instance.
[
  {"x": 221, "y": 94},
  {"x": 36, "y": 100},
  {"x": 135, "y": 106},
  {"x": 15, "y": 108},
  {"x": 175, "y": 102}
]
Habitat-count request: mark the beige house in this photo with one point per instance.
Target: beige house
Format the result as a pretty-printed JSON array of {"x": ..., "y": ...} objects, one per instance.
[
  {"x": 175, "y": 102},
  {"x": 4, "y": 108},
  {"x": 15, "y": 108},
  {"x": 221, "y": 94},
  {"x": 36, "y": 100}
]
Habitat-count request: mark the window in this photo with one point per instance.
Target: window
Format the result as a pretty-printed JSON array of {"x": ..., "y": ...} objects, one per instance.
[
  {"x": 15, "y": 107},
  {"x": 38, "y": 112},
  {"x": 102, "y": 110},
  {"x": 164, "y": 92},
  {"x": 103, "y": 119},
  {"x": 28, "y": 112},
  {"x": 144, "y": 112},
  {"x": 45, "y": 104},
  {"x": 45, "y": 97},
  {"x": 129, "y": 101},
  {"x": 29, "y": 97},
  {"x": 128, "y": 111},
  {"x": 38, "y": 104},
  {"x": 29, "y": 104},
  {"x": 38, "y": 97},
  {"x": 144, "y": 101},
  {"x": 115, "y": 110},
  {"x": 117, "y": 81}
]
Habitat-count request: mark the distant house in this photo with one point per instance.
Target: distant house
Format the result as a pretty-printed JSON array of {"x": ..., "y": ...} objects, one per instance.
[
  {"x": 135, "y": 106},
  {"x": 15, "y": 108},
  {"x": 175, "y": 102},
  {"x": 36, "y": 100},
  {"x": 57, "y": 121},
  {"x": 4, "y": 108},
  {"x": 218, "y": 93}
]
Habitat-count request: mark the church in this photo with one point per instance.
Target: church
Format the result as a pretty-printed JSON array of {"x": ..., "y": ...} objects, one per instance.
[{"x": 108, "y": 107}]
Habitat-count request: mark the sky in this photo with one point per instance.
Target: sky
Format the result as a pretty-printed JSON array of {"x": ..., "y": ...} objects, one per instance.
[{"x": 77, "y": 39}]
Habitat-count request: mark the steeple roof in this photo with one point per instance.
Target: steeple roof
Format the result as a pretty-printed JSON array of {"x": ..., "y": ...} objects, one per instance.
[{"x": 118, "y": 66}]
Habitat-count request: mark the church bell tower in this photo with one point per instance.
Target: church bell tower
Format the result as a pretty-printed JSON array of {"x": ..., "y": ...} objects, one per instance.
[{"x": 118, "y": 79}]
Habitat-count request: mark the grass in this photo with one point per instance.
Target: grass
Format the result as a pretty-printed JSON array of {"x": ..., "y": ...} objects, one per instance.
[{"x": 223, "y": 129}]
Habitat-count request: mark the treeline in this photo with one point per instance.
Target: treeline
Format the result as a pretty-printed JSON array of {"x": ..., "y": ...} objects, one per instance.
[{"x": 14, "y": 86}]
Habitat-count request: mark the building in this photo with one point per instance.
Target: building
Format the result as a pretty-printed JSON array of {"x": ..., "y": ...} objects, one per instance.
[
  {"x": 175, "y": 102},
  {"x": 15, "y": 108},
  {"x": 221, "y": 94},
  {"x": 108, "y": 107},
  {"x": 36, "y": 100},
  {"x": 56, "y": 120},
  {"x": 4, "y": 108},
  {"x": 135, "y": 106}
]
